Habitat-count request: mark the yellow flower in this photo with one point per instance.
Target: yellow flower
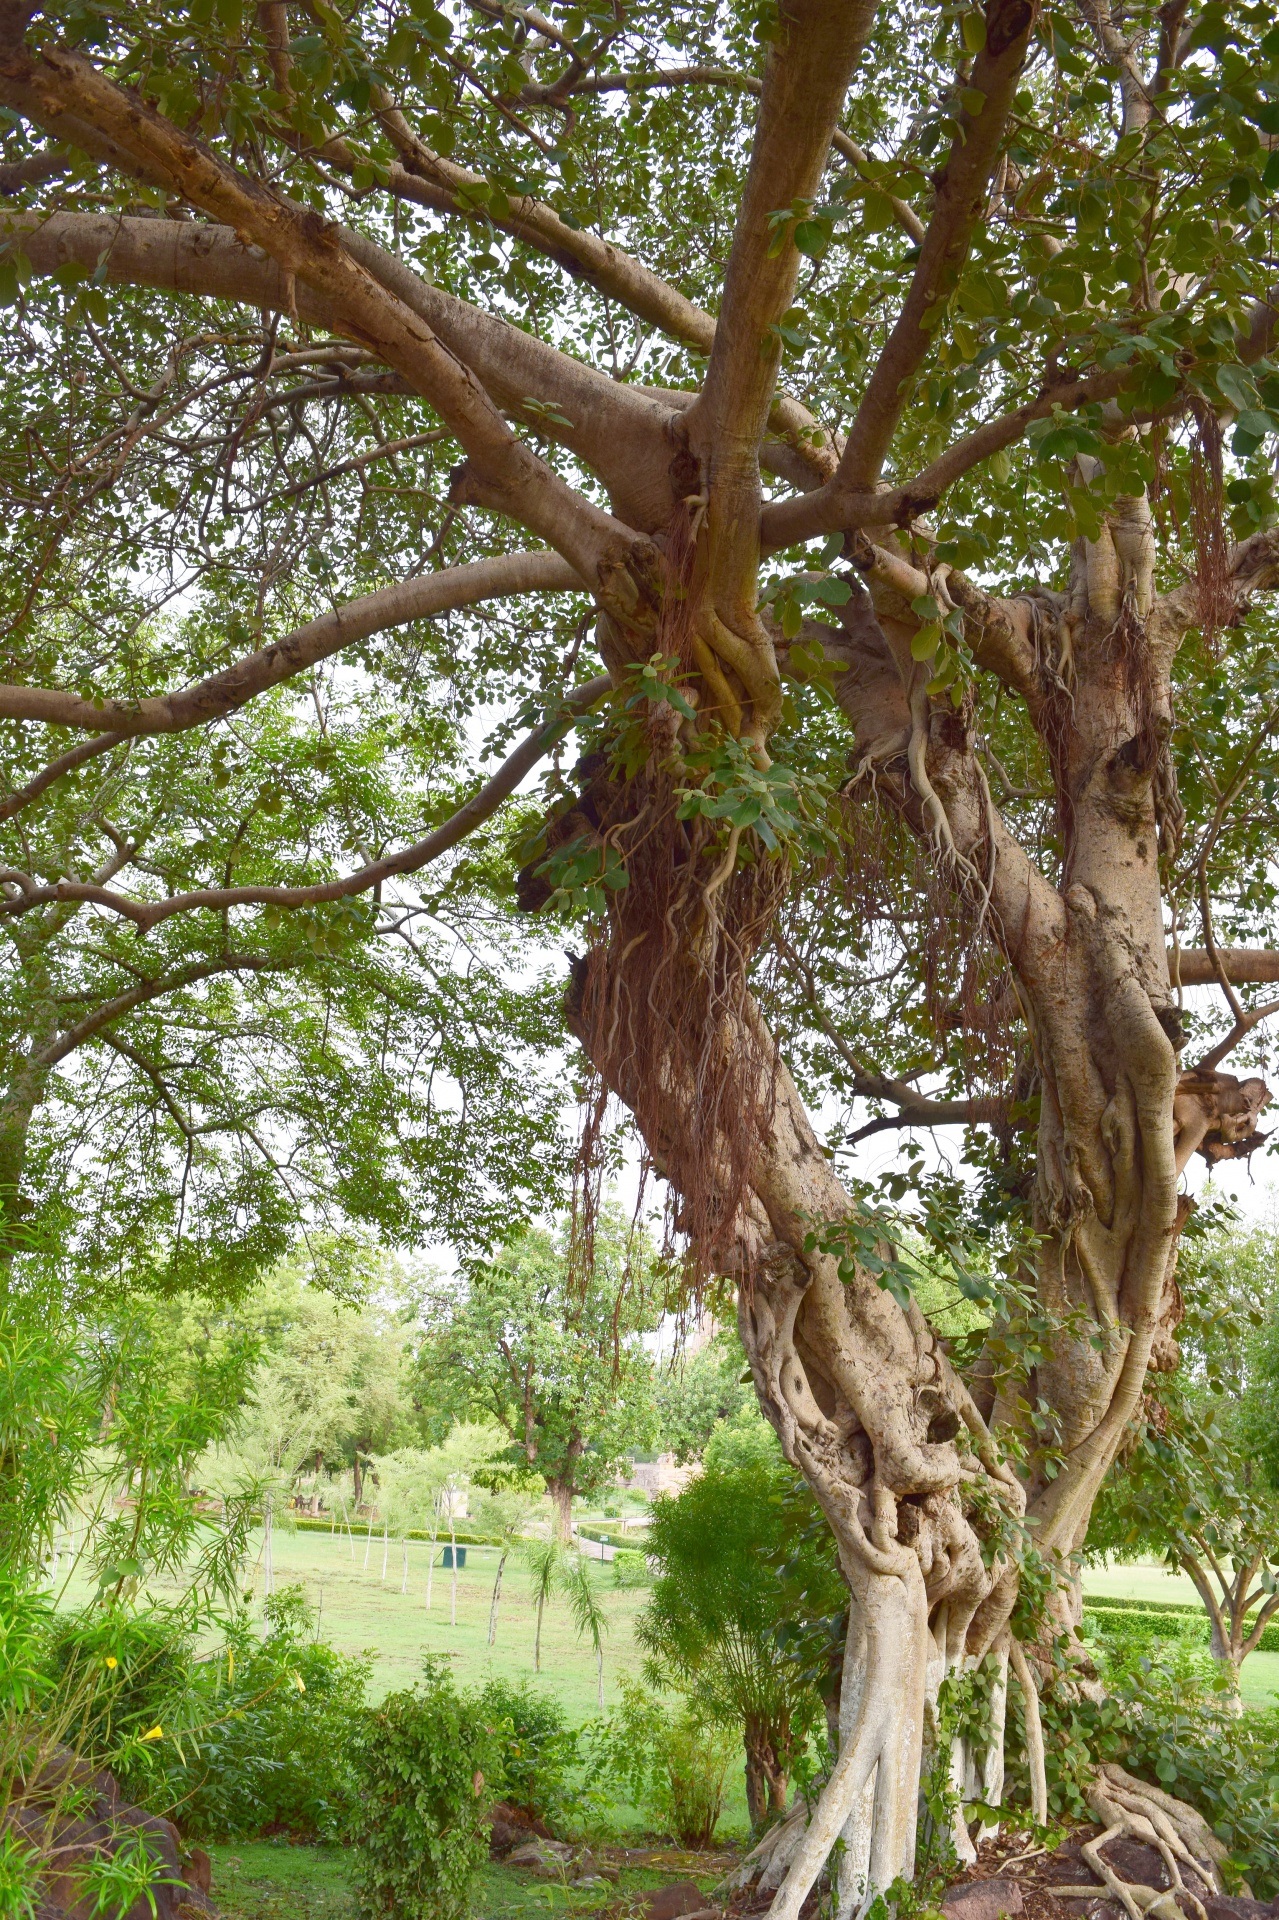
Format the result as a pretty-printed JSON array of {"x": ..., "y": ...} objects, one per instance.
[
  {"x": 112, "y": 1662},
  {"x": 297, "y": 1681},
  {"x": 156, "y": 1733}
]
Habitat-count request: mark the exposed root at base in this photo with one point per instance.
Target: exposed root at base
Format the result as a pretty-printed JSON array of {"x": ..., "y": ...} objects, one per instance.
[{"x": 1129, "y": 1809}]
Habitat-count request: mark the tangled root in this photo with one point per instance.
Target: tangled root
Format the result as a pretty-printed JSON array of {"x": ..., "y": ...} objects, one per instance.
[{"x": 1129, "y": 1809}]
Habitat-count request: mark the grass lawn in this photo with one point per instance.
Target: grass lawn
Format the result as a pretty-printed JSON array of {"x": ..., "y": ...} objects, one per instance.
[
  {"x": 263, "y": 1880},
  {"x": 1259, "y": 1679}
]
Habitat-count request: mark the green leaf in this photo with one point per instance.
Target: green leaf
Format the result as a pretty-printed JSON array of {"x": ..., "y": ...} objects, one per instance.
[
  {"x": 972, "y": 100},
  {"x": 926, "y": 642},
  {"x": 973, "y": 29}
]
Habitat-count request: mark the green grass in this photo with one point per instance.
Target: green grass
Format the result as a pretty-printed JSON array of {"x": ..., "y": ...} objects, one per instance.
[
  {"x": 260, "y": 1880},
  {"x": 1259, "y": 1678},
  {"x": 264, "y": 1880}
]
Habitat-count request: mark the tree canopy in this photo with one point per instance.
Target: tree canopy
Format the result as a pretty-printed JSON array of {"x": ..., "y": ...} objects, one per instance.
[{"x": 856, "y": 421}]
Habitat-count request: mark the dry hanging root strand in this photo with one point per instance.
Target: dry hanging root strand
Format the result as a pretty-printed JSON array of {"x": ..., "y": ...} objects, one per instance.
[
  {"x": 1128, "y": 1809},
  {"x": 660, "y": 1005}
]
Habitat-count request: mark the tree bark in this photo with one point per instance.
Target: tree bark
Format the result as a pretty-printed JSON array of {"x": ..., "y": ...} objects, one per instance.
[{"x": 561, "y": 1492}]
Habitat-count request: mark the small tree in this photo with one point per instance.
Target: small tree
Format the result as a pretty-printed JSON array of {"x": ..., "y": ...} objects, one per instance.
[
  {"x": 508, "y": 1514},
  {"x": 555, "y": 1355},
  {"x": 722, "y": 1597},
  {"x": 1185, "y": 1492},
  {"x": 1200, "y": 1484}
]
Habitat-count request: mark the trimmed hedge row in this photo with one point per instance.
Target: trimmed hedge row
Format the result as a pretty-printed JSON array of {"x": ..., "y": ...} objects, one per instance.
[
  {"x": 607, "y": 1536},
  {"x": 1123, "y": 1603},
  {"x": 463, "y": 1539},
  {"x": 1168, "y": 1623}
]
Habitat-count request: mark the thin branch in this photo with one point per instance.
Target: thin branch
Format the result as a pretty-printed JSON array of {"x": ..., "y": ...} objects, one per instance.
[
  {"x": 671, "y": 77},
  {"x": 103, "y": 1016},
  {"x": 66, "y": 763},
  {"x": 505, "y": 475},
  {"x": 222, "y": 693},
  {"x": 146, "y": 914},
  {"x": 913, "y": 1108},
  {"x": 1245, "y": 1021}
]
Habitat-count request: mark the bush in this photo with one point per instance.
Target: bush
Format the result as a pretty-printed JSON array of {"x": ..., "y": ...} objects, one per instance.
[
  {"x": 538, "y": 1746},
  {"x": 670, "y": 1760},
  {"x": 425, "y": 1767},
  {"x": 630, "y": 1569},
  {"x": 251, "y": 1741},
  {"x": 272, "y": 1723}
]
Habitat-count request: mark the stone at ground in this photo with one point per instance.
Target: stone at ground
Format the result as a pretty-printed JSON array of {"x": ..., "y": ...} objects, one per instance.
[
  {"x": 544, "y": 1859},
  {"x": 983, "y": 1900},
  {"x": 104, "y": 1824},
  {"x": 682, "y": 1901}
]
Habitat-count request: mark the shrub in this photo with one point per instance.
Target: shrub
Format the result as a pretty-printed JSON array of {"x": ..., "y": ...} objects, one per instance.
[
  {"x": 425, "y": 1766},
  {"x": 630, "y": 1569},
  {"x": 670, "y": 1760},
  {"x": 252, "y": 1741},
  {"x": 272, "y": 1721},
  {"x": 538, "y": 1747}
]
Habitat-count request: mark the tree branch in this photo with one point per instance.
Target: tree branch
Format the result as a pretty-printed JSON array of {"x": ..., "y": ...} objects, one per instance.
[
  {"x": 960, "y": 202},
  {"x": 618, "y": 430},
  {"x": 805, "y": 80},
  {"x": 222, "y": 693},
  {"x": 506, "y": 476},
  {"x": 146, "y": 991},
  {"x": 837, "y": 506},
  {"x": 145, "y": 914},
  {"x": 66, "y": 763},
  {"x": 1244, "y": 966},
  {"x": 914, "y": 1109},
  {"x": 670, "y": 77}
]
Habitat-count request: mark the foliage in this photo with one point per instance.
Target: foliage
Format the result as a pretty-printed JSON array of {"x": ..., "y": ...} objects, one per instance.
[
  {"x": 425, "y": 1766},
  {"x": 1194, "y": 1484},
  {"x": 556, "y": 1357},
  {"x": 250, "y": 1741},
  {"x": 735, "y": 1568},
  {"x": 668, "y": 1757},
  {"x": 539, "y": 1748},
  {"x": 696, "y": 1391}
]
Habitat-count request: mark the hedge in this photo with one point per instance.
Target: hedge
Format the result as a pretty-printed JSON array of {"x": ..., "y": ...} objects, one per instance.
[
  {"x": 1168, "y": 1622},
  {"x": 360, "y": 1528},
  {"x": 614, "y": 1536}
]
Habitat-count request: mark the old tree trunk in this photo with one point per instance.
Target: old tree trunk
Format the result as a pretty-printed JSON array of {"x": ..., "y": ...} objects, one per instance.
[{"x": 1020, "y": 342}]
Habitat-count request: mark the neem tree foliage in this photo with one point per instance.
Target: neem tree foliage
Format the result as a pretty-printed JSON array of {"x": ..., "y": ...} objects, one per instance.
[{"x": 883, "y": 398}]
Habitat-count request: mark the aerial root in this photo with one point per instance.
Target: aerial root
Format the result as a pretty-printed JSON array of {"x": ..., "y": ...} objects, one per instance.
[{"x": 1129, "y": 1809}]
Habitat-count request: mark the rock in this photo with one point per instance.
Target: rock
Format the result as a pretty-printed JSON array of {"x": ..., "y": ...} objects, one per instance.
[
  {"x": 103, "y": 1821},
  {"x": 982, "y": 1900},
  {"x": 544, "y": 1859},
  {"x": 511, "y": 1827}
]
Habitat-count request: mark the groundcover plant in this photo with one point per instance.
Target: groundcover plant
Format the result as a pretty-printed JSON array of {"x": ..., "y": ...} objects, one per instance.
[{"x": 879, "y": 399}]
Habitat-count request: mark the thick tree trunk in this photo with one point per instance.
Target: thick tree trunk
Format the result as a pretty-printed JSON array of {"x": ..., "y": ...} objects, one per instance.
[{"x": 561, "y": 1493}]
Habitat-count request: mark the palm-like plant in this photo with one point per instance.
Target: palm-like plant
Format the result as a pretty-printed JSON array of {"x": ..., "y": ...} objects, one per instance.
[{"x": 588, "y": 1614}]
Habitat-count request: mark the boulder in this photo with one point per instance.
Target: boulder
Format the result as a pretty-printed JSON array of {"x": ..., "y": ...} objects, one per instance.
[
  {"x": 983, "y": 1900},
  {"x": 102, "y": 1821},
  {"x": 544, "y": 1859}
]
